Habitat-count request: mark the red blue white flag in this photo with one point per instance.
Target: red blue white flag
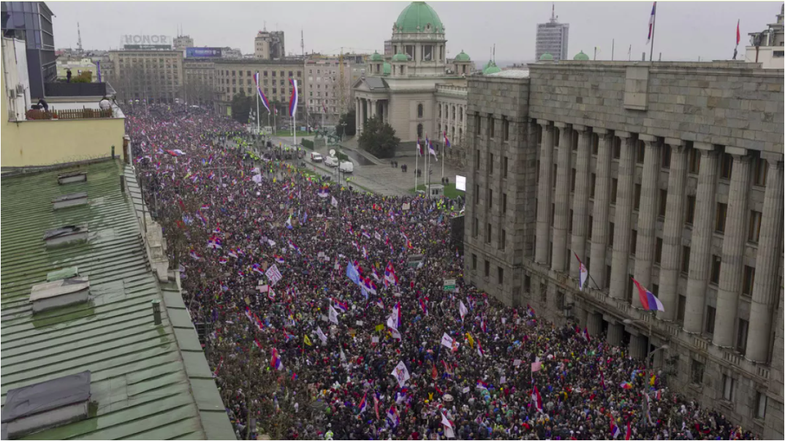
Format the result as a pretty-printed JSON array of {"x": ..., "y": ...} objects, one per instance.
[
  {"x": 293, "y": 98},
  {"x": 649, "y": 301},
  {"x": 651, "y": 21},
  {"x": 265, "y": 103}
]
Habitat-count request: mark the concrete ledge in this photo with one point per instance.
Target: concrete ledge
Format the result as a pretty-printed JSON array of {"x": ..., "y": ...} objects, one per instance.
[{"x": 738, "y": 151}]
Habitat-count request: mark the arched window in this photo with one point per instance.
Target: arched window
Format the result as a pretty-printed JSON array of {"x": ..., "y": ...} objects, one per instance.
[
  {"x": 440, "y": 110},
  {"x": 419, "y": 110},
  {"x": 419, "y": 129}
]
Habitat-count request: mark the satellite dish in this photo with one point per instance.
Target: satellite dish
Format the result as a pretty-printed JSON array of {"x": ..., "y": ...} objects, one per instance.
[{"x": 332, "y": 152}]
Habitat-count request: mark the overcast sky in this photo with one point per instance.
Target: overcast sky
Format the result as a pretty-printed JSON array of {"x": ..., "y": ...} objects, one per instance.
[{"x": 684, "y": 30}]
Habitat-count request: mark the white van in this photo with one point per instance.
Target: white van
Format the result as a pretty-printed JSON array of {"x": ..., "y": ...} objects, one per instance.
[
  {"x": 346, "y": 167},
  {"x": 331, "y": 161}
]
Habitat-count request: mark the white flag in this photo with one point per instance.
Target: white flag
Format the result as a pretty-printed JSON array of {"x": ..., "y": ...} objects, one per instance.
[
  {"x": 395, "y": 334},
  {"x": 401, "y": 374},
  {"x": 447, "y": 341},
  {"x": 333, "y": 314},
  {"x": 321, "y": 335},
  {"x": 273, "y": 274},
  {"x": 463, "y": 310},
  {"x": 334, "y": 202}
]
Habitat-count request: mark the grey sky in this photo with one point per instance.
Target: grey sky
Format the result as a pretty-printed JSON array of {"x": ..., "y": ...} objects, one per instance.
[{"x": 685, "y": 30}]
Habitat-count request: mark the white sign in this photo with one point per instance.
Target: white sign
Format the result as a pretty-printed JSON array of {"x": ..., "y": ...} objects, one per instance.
[
  {"x": 405, "y": 206},
  {"x": 273, "y": 274},
  {"x": 460, "y": 182}
]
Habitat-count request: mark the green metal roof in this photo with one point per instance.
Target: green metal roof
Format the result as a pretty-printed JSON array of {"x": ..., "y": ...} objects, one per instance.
[
  {"x": 400, "y": 56},
  {"x": 386, "y": 68},
  {"x": 147, "y": 381},
  {"x": 580, "y": 56},
  {"x": 419, "y": 17},
  {"x": 377, "y": 56},
  {"x": 463, "y": 56},
  {"x": 490, "y": 68},
  {"x": 546, "y": 57}
]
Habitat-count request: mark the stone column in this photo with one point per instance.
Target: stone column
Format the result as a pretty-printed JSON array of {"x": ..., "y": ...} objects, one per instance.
[
  {"x": 638, "y": 346},
  {"x": 767, "y": 264},
  {"x": 702, "y": 234},
  {"x": 374, "y": 108},
  {"x": 561, "y": 219},
  {"x": 621, "y": 234},
  {"x": 672, "y": 230},
  {"x": 357, "y": 116},
  {"x": 615, "y": 333},
  {"x": 594, "y": 324},
  {"x": 544, "y": 194},
  {"x": 580, "y": 202},
  {"x": 733, "y": 249},
  {"x": 647, "y": 216},
  {"x": 602, "y": 192}
]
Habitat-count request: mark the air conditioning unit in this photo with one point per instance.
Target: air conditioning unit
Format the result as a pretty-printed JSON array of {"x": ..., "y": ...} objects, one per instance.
[
  {"x": 12, "y": 94},
  {"x": 20, "y": 89}
]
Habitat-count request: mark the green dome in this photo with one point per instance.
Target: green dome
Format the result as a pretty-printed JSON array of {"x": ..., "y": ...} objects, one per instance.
[
  {"x": 463, "y": 56},
  {"x": 400, "y": 57},
  {"x": 579, "y": 57},
  {"x": 546, "y": 57},
  {"x": 377, "y": 56},
  {"x": 490, "y": 68},
  {"x": 419, "y": 14},
  {"x": 386, "y": 68}
]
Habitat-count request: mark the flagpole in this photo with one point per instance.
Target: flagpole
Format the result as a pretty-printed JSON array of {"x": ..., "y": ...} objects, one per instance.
[
  {"x": 653, "y": 27},
  {"x": 444, "y": 147},
  {"x": 416, "y": 164}
]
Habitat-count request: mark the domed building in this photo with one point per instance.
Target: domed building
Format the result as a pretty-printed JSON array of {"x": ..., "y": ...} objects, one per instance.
[{"x": 417, "y": 90}]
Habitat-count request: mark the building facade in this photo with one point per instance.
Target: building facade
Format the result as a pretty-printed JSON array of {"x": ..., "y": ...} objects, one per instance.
[
  {"x": 553, "y": 38},
  {"x": 766, "y": 47},
  {"x": 236, "y": 76},
  {"x": 418, "y": 91},
  {"x": 199, "y": 82},
  {"x": 269, "y": 45},
  {"x": 31, "y": 22},
  {"x": 325, "y": 93},
  {"x": 152, "y": 75},
  {"x": 671, "y": 173},
  {"x": 181, "y": 42}
]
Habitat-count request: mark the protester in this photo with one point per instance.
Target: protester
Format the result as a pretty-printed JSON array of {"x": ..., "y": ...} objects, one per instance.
[{"x": 359, "y": 338}]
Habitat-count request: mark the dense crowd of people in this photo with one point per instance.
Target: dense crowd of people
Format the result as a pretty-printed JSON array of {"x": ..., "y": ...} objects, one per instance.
[{"x": 326, "y": 314}]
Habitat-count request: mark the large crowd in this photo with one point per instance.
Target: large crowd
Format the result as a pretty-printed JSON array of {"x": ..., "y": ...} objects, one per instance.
[{"x": 325, "y": 313}]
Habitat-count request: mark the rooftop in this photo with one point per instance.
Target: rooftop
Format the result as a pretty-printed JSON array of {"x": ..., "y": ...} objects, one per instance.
[{"x": 146, "y": 380}]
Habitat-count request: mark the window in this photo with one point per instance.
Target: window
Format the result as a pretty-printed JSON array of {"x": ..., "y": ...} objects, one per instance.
[
  {"x": 537, "y": 173},
  {"x": 487, "y": 269},
  {"x": 637, "y": 197},
  {"x": 591, "y": 227},
  {"x": 555, "y": 175},
  {"x": 658, "y": 251},
  {"x": 663, "y": 203},
  {"x": 697, "y": 373},
  {"x": 641, "y": 152},
  {"x": 726, "y": 166},
  {"x": 760, "y": 405},
  {"x": 477, "y": 123},
  {"x": 419, "y": 111},
  {"x": 475, "y": 227},
  {"x": 608, "y": 272},
  {"x": 614, "y": 188},
  {"x": 595, "y": 144},
  {"x": 570, "y": 229},
  {"x": 476, "y": 193},
  {"x": 477, "y": 158},
  {"x": 727, "y": 388},
  {"x": 488, "y": 233},
  {"x": 500, "y": 275},
  {"x": 666, "y": 156},
  {"x": 504, "y": 167},
  {"x": 716, "y": 263},
  {"x": 681, "y": 307},
  {"x": 572, "y": 181},
  {"x": 503, "y": 240},
  {"x": 685, "y": 260},
  {"x": 719, "y": 222},
  {"x": 490, "y": 164},
  {"x": 754, "y": 233},
  {"x": 748, "y": 280},
  {"x": 474, "y": 262},
  {"x": 490, "y": 198},
  {"x": 592, "y": 184},
  {"x": 543, "y": 293},
  {"x": 505, "y": 129},
  {"x": 759, "y": 172},
  {"x": 710, "y": 313},
  {"x": 741, "y": 336},
  {"x": 610, "y": 235},
  {"x": 633, "y": 242},
  {"x": 616, "y": 147},
  {"x": 504, "y": 203},
  {"x": 694, "y": 161},
  {"x": 553, "y": 212},
  {"x": 690, "y": 217},
  {"x": 491, "y": 126},
  {"x": 527, "y": 283}
]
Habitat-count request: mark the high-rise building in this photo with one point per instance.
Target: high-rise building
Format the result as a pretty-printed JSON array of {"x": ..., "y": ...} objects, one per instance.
[
  {"x": 147, "y": 74},
  {"x": 388, "y": 48},
  {"x": 552, "y": 38},
  {"x": 609, "y": 169},
  {"x": 766, "y": 47},
  {"x": 183, "y": 41},
  {"x": 323, "y": 87},
  {"x": 32, "y": 23},
  {"x": 269, "y": 45}
]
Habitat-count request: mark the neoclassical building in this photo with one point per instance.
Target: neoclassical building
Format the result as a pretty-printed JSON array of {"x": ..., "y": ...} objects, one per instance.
[{"x": 417, "y": 90}]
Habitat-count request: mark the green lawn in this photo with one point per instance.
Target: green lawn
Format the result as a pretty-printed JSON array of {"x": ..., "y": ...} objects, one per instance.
[
  {"x": 288, "y": 133},
  {"x": 449, "y": 190}
]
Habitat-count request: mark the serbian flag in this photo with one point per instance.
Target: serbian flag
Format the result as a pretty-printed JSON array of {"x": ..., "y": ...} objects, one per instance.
[
  {"x": 257, "y": 343},
  {"x": 649, "y": 301},
  {"x": 232, "y": 253},
  {"x": 278, "y": 258},
  {"x": 344, "y": 307},
  {"x": 323, "y": 193},
  {"x": 651, "y": 22},
  {"x": 586, "y": 334},
  {"x": 293, "y": 98},
  {"x": 479, "y": 349},
  {"x": 430, "y": 149},
  {"x": 389, "y": 275},
  {"x": 446, "y": 141},
  {"x": 257, "y": 268},
  {"x": 195, "y": 255},
  {"x": 419, "y": 147},
  {"x": 583, "y": 271},
  {"x": 265, "y": 103},
  {"x": 423, "y": 306},
  {"x": 537, "y": 399},
  {"x": 214, "y": 243},
  {"x": 363, "y": 403},
  {"x": 365, "y": 253},
  {"x": 275, "y": 362},
  {"x": 483, "y": 326},
  {"x": 222, "y": 260},
  {"x": 629, "y": 428},
  {"x": 615, "y": 430}
]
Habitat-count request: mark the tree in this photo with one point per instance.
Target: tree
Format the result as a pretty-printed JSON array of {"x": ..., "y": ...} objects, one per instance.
[
  {"x": 241, "y": 107},
  {"x": 379, "y": 139},
  {"x": 348, "y": 119}
]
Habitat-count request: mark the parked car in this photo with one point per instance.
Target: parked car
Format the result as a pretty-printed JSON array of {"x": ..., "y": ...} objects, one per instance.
[
  {"x": 346, "y": 167},
  {"x": 316, "y": 157},
  {"x": 331, "y": 161}
]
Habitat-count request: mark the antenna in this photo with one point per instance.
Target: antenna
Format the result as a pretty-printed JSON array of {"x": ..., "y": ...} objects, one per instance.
[
  {"x": 302, "y": 42},
  {"x": 79, "y": 37},
  {"x": 494, "y": 53}
]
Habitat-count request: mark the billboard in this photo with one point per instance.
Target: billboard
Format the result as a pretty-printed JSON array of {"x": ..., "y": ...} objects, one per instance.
[
  {"x": 146, "y": 42},
  {"x": 203, "y": 52}
]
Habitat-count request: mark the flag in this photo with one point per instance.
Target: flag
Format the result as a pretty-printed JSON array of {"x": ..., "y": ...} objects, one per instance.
[
  {"x": 323, "y": 192},
  {"x": 214, "y": 243},
  {"x": 629, "y": 428},
  {"x": 738, "y": 32},
  {"x": 222, "y": 260},
  {"x": 615, "y": 430},
  {"x": 323, "y": 338},
  {"x": 430, "y": 149},
  {"x": 278, "y": 258},
  {"x": 401, "y": 374},
  {"x": 333, "y": 315},
  {"x": 462, "y": 309},
  {"x": 307, "y": 340},
  {"x": 263, "y": 98},
  {"x": 423, "y": 306},
  {"x": 446, "y": 141},
  {"x": 626, "y": 385},
  {"x": 195, "y": 255},
  {"x": 275, "y": 362},
  {"x": 293, "y": 246},
  {"x": 536, "y": 398},
  {"x": 586, "y": 334},
  {"x": 392, "y": 417},
  {"x": 583, "y": 272},
  {"x": 483, "y": 326},
  {"x": 352, "y": 273},
  {"x": 365, "y": 253},
  {"x": 389, "y": 275},
  {"x": 537, "y": 365},
  {"x": 470, "y": 339},
  {"x": 649, "y": 301},
  {"x": 334, "y": 202},
  {"x": 447, "y": 341},
  {"x": 480, "y": 351},
  {"x": 289, "y": 223},
  {"x": 651, "y": 22},
  {"x": 257, "y": 268},
  {"x": 293, "y": 98},
  {"x": 602, "y": 380},
  {"x": 419, "y": 147},
  {"x": 363, "y": 403}
]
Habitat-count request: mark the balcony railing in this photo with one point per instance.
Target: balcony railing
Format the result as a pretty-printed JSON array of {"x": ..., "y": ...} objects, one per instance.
[
  {"x": 68, "y": 114},
  {"x": 74, "y": 89}
]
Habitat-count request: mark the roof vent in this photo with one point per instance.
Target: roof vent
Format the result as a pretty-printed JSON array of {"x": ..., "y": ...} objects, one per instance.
[
  {"x": 70, "y": 200},
  {"x": 45, "y": 405},
  {"x": 64, "y": 273},
  {"x": 66, "y": 234},
  {"x": 69, "y": 178},
  {"x": 59, "y": 293}
]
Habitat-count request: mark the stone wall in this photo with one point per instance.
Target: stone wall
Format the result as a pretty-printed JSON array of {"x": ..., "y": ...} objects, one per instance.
[{"x": 726, "y": 103}]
